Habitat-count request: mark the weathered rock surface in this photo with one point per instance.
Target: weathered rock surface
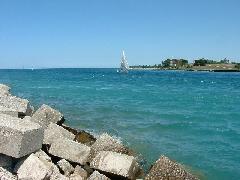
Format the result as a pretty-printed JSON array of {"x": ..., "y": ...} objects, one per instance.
[
  {"x": 81, "y": 136},
  {"x": 78, "y": 174},
  {"x": 98, "y": 176},
  {"x": 70, "y": 150},
  {"x": 16, "y": 104},
  {"x": 45, "y": 115},
  {"x": 54, "y": 132},
  {"x": 6, "y": 175},
  {"x": 42, "y": 156},
  {"x": 6, "y": 161},
  {"x": 165, "y": 169},
  {"x": 19, "y": 137},
  {"x": 116, "y": 163},
  {"x": 4, "y": 90},
  {"x": 107, "y": 143},
  {"x": 36, "y": 168},
  {"x": 65, "y": 166},
  {"x": 8, "y": 111}
]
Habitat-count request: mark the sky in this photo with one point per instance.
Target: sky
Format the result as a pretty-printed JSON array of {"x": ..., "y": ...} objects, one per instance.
[{"x": 92, "y": 33}]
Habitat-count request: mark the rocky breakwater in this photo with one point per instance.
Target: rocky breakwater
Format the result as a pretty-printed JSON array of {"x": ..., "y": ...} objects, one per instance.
[{"x": 37, "y": 145}]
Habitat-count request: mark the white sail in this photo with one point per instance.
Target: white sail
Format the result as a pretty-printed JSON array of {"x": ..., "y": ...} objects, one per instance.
[{"x": 124, "y": 65}]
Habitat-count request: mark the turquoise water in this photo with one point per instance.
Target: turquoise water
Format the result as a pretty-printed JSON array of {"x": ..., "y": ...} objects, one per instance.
[{"x": 192, "y": 117}]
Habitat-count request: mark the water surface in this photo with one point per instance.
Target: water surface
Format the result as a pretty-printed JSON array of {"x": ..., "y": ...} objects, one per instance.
[{"x": 192, "y": 117}]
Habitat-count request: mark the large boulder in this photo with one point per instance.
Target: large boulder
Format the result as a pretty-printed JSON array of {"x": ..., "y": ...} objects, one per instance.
[
  {"x": 70, "y": 150},
  {"x": 55, "y": 132},
  {"x": 8, "y": 111},
  {"x": 164, "y": 169},
  {"x": 66, "y": 167},
  {"x": 96, "y": 175},
  {"x": 16, "y": 104},
  {"x": 35, "y": 168},
  {"x": 6, "y": 175},
  {"x": 107, "y": 143},
  {"x": 19, "y": 137},
  {"x": 116, "y": 163},
  {"x": 45, "y": 115},
  {"x": 6, "y": 161}
]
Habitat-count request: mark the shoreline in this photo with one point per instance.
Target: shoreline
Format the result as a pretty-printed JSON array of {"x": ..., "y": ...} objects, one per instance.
[{"x": 55, "y": 150}]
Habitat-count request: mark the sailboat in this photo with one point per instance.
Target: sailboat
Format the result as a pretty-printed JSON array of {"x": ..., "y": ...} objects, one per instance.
[{"x": 123, "y": 65}]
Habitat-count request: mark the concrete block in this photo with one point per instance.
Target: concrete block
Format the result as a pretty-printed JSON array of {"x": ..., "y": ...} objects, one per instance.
[
  {"x": 54, "y": 132},
  {"x": 4, "y": 90},
  {"x": 164, "y": 168},
  {"x": 45, "y": 115},
  {"x": 8, "y": 111},
  {"x": 65, "y": 166},
  {"x": 6, "y": 175},
  {"x": 35, "y": 168},
  {"x": 107, "y": 143},
  {"x": 17, "y": 104},
  {"x": 70, "y": 150},
  {"x": 115, "y": 163},
  {"x": 97, "y": 176},
  {"x": 18, "y": 137}
]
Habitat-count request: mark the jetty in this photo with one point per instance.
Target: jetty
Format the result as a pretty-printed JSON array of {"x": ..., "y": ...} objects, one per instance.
[{"x": 38, "y": 145}]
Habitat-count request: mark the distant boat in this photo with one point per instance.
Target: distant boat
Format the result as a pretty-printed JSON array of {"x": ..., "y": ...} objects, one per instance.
[{"x": 124, "y": 68}]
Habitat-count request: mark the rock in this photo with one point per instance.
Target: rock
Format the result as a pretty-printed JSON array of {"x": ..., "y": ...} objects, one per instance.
[
  {"x": 6, "y": 161},
  {"x": 58, "y": 177},
  {"x": 4, "y": 90},
  {"x": 6, "y": 175},
  {"x": 98, "y": 176},
  {"x": 18, "y": 137},
  {"x": 42, "y": 156},
  {"x": 16, "y": 104},
  {"x": 36, "y": 168},
  {"x": 70, "y": 150},
  {"x": 65, "y": 166},
  {"x": 45, "y": 115},
  {"x": 115, "y": 163},
  {"x": 8, "y": 111},
  {"x": 107, "y": 143},
  {"x": 55, "y": 132},
  {"x": 81, "y": 136},
  {"x": 164, "y": 168},
  {"x": 84, "y": 138},
  {"x": 79, "y": 173}
]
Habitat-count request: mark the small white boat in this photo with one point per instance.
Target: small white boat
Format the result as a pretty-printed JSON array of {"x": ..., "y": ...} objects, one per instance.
[{"x": 124, "y": 68}]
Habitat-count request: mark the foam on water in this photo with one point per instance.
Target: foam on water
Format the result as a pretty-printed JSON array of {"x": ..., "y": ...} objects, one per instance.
[{"x": 192, "y": 117}]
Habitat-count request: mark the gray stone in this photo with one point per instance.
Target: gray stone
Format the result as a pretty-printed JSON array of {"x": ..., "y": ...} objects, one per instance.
[
  {"x": 98, "y": 176},
  {"x": 6, "y": 161},
  {"x": 70, "y": 150},
  {"x": 58, "y": 176},
  {"x": 65, "y": 166},
  {"x": 4, "y": 90},
  {"x": 42, "y": 156},
  {"x": 79, "y": 173},
  {"x": 116, "y": 163},
  {"x": 54, "y": 132},
  {"x": 35, "y": 168},
  {"x": 19, "y": 105},
  {"x": 6, "y": 175},
  {"x": 107, "y": 143},
  {"x": 164, "y": 168},
  {"x": 18, "y": 137},
  {"x": 45, "y": 115},
  {"x": 8, "y": 111}
]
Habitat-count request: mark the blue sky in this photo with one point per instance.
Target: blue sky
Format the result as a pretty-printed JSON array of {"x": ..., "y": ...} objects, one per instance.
[{"x": 92, "y": 33}]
